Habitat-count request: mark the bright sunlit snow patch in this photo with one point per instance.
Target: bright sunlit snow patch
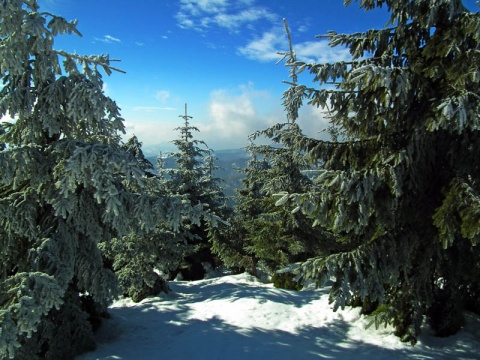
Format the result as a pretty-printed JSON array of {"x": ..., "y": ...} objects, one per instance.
[{"x": 239, "y": 317}]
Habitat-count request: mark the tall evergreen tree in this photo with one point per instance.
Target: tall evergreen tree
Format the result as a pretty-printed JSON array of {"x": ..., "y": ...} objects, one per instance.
[
  {"x": 279, "y": 235},
  {"x": 63, "y": 189},
  {"x": 193, "y": 179},
  {"x": 230, "y": 241},
  {"x": 262, "y": 233},
  {"x": 400, "y": 188}
]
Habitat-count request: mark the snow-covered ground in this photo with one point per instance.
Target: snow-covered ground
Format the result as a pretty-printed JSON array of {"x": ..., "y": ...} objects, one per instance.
[{"x": 238, "y": 317}]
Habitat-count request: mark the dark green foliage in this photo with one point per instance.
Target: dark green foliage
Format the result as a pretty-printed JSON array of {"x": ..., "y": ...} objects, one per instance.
[
  {"x": 135, "y": 257},
  {"x": 71, "y": 321},
  {"x": 472, "y": 302},
  {"x": 263, "y": 233},
  {"x": 145, "y": 287},
  {"x": 367, "y": 306},
  {"x": 285, "y": 280},
  {"x": 400, "y": 186},
  {"x": 230, "y": 242},
  {"x": 139, "y": 257},
  {"x": 2, "y": 131},
  {"x": 446, "y": 313}
]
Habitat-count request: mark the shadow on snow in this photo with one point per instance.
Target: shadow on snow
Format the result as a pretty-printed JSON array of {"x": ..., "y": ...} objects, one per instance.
[{"x": 164, "y": 329}]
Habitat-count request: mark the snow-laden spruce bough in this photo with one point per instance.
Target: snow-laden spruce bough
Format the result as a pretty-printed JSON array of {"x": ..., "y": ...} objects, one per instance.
[{"x": 398, "y": 193}]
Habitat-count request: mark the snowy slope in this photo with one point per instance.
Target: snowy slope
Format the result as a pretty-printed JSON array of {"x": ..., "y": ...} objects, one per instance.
[{"x": 238, "y": 317}]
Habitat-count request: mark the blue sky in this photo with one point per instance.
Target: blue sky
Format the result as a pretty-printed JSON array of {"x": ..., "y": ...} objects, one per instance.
[{"x": 218, "y": 56}]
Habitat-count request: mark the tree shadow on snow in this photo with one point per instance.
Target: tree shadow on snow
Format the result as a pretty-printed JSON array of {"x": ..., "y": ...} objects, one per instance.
[
  {"x": 215, "y": 339},
  {"x": 209, "y": 291},
  {"x": 156, "y": 329}
]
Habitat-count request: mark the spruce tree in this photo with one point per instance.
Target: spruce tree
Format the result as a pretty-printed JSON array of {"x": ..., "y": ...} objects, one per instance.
[
  {"x": 278, "y": 235},
  {"x": 291, "y": 172},
  {"x": 230, "y": 241},
  {"x": 194, "y": 180},
  {"x": 261, "y": 233},
  {"x": 64, "y": 182},
  {"x": 400, "y": 186}
]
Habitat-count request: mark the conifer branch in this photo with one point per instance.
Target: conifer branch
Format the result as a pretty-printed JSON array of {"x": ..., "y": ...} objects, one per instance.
[{"x": 293, "y": 58}]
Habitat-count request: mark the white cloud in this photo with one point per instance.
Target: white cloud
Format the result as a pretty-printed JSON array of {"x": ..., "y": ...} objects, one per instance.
[
  {"x": 151, "y": 108},
  {"x": 227, "y": 14},
  {"x": 234, "y": 21},
  {"x": 151, "y": 133},
  {"x": 233, "y": 115},
  {"x": 106, "y": 89},
  {"x": 201, "y": 7},
  {"x": 320, "y": 52},
  {"x": 108, "y": 39},
  {"x": 266, "y": 48},
  {"x": 162, "y": 96},
  {"x": 313, "y": 121},
  {"x": 184, "y": 21},
  {"x": 302, "y": 28}
]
